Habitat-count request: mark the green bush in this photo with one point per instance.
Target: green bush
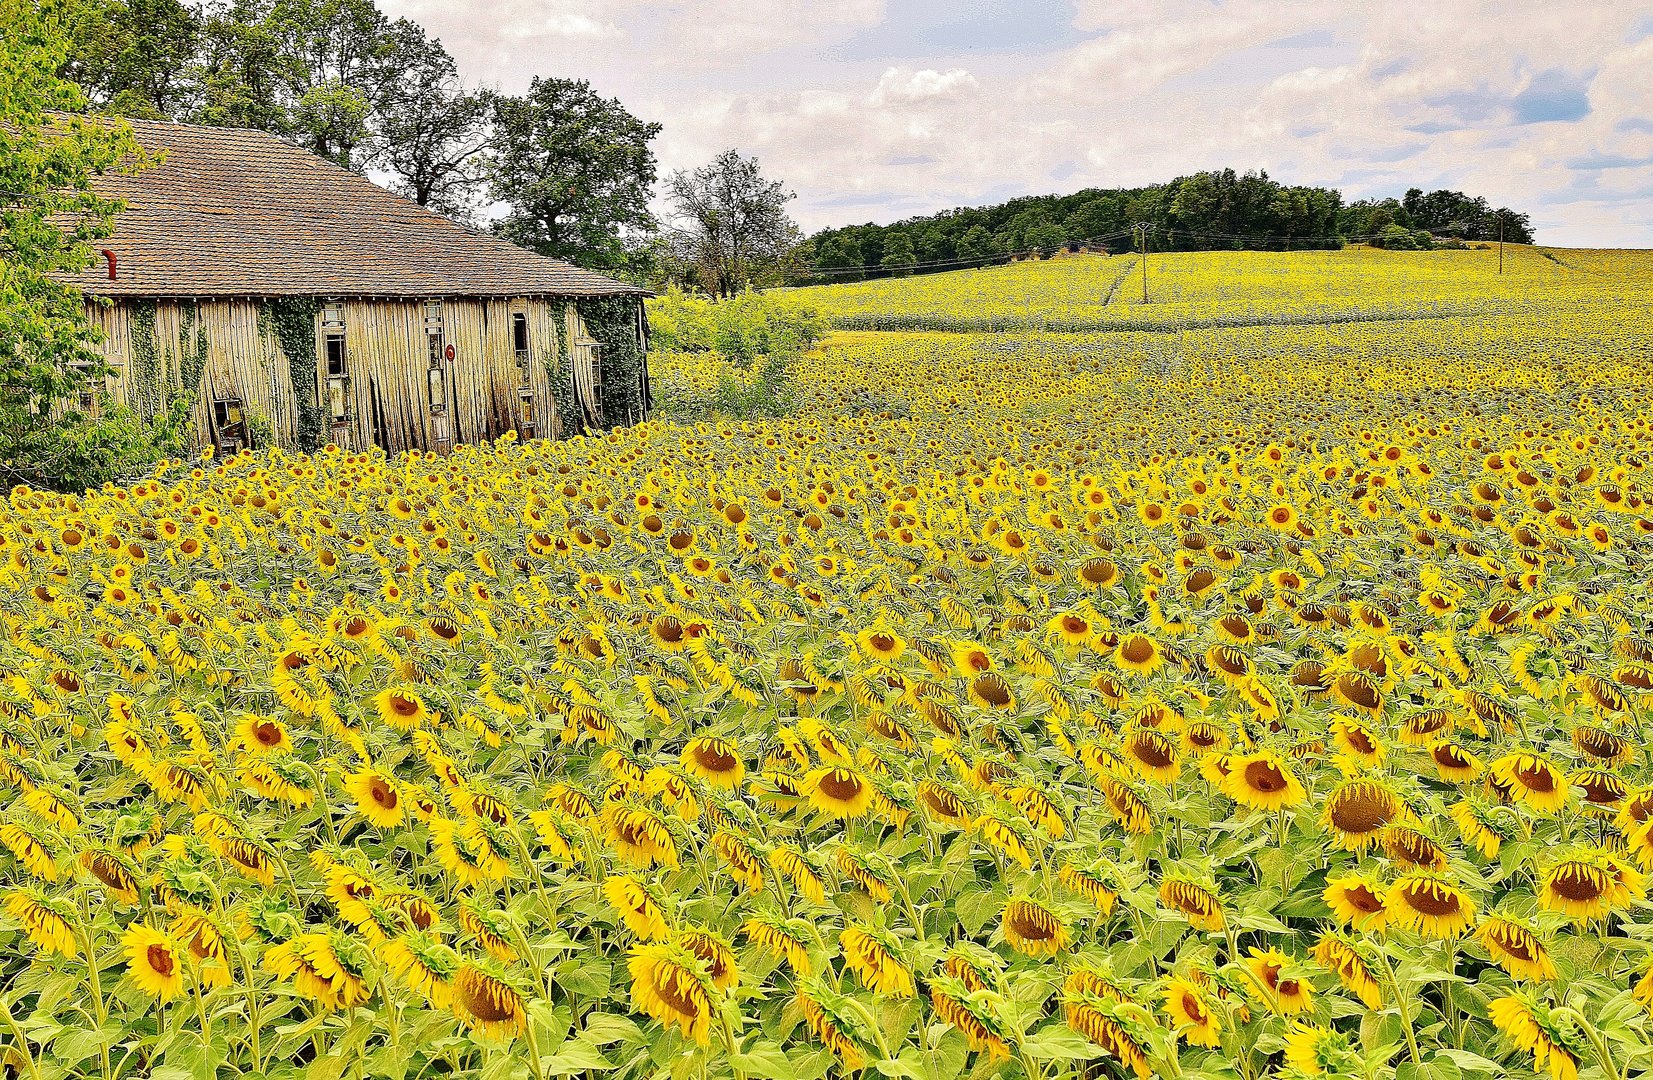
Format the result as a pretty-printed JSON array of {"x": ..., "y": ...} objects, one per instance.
[
  {"x": 762, "y": 391},
  {"x": 118, "y": 446},
  {"x": 1400, "y": 238},
  {"x": 741, "y": 328}
]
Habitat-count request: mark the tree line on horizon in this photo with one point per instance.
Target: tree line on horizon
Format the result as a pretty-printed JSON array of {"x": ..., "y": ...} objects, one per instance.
[{"x": 1207, "y": 211}]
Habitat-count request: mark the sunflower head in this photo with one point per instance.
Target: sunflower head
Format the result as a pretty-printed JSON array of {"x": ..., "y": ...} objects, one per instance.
[
  {"x": 670, "y": 982},
  {"x": 1429, "y": 904},
  {"x": 488, "y": 1002},
  {"x": 1032, "y": 929},
  {"x": 1263, "y": 781},
  {"x": 154, "y": 961}
]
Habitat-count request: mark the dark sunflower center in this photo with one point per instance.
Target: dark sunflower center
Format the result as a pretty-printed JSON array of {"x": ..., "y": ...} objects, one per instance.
[
  {"x": 1363, "y": 899},
  {"x": 714, "y": 759},
  {"x": 160, "y": 959},
  {"x": 1032, "y": 925},
  {"x": 1152, "y": 752},
  {"x": 1435, "y": 903},
  {"x": 1408, "y": 846},
  {"x": 1361, "y": 811},
  {"x": 1138, "y": 650},
  {"x": 993, "y": 690},
  {"x": 1449, "y": 757},
  {"x": 485, "y": 999},
  {"x": 1579, "y": 883},
  {"x": 1261, "y": 776},
  {"x": 1516, "y": 944},
  {"x": 671, "y": 993},
  {"x": 1358, "y": 691},
  {"x": 1536, "y": 778},
  {"x": 840, "y": 785}
]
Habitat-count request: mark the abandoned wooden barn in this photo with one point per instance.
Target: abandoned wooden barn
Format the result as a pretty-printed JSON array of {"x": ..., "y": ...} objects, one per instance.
[{"x": 302, "y": 304}]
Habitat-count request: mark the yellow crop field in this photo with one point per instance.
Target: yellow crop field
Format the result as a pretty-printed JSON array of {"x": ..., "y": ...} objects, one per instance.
[
  {"x": 1194, "y": 289},
  {"x": 1251, "y": 683}
]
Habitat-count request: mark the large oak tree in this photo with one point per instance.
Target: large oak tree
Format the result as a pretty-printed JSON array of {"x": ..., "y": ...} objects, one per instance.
[{"x": 576, "y": 171}]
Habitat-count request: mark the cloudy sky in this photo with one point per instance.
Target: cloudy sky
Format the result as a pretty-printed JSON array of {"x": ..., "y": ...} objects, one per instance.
[{"x": 875, "y": 110}]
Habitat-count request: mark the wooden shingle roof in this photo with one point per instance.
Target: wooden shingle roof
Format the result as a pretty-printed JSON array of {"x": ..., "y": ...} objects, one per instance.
[{"x": 233, "y": 212}]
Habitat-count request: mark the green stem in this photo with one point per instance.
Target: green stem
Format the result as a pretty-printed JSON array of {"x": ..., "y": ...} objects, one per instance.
[
  {"x": 534, "y": 1051},
  {"x": 200, "y": 1007},
  {"x": 321, "y": 798},
  {"x": 727, "y": 1035},
  {"x": 1402, "y": 1008},
  {"x": 872, "y": 1024},
  {"x": 22, "y": 1042},
  {"x": 101, "y": 1008},
  {"x": 1597, "y": 1039}
]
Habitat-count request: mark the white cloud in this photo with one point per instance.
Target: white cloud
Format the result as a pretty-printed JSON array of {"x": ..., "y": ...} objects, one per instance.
[
  {"x": 1368, "y": 98},
  {"x": 907, "y": 85}
]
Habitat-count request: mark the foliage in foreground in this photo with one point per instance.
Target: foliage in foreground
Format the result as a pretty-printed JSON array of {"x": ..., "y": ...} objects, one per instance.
[
  {"x": 1241, "y": 702},
  {"x": 52, "y": 217}
]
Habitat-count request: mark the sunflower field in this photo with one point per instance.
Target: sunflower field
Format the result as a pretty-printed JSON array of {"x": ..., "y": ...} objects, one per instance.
[{"x": 1237, "y": 698}]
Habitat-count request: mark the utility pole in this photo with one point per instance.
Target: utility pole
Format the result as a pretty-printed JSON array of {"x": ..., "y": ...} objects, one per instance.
[
  {"x": 1142, "y": 228},
  {"x": 1500, "y": 243}
]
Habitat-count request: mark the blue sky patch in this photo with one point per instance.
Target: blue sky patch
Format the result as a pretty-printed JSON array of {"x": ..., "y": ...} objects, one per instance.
[
  {"x": 925, "y": 29},
  {"x": 1553, "y": 95}
]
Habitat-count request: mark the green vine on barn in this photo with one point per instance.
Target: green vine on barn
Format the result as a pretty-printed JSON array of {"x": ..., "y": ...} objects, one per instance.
[
  {"x": 560, "y": 367},
  {"x": 291, "y": 320},
  {"x": 612, "y": 320},
  {"x": 146, "y": 359},
  {"x": 192, "y": 355}
]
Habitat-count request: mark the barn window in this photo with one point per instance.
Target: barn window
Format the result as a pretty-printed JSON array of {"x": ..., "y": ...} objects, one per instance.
[
  {"x": 230, "y": 420},
  {"x": 438, "y": 388},
  {"x": 519, "y": 342},
  {"x": 335, "y": 356},
  {"x": 433, "y": 332},
  {"x": 90, "y": 402}
]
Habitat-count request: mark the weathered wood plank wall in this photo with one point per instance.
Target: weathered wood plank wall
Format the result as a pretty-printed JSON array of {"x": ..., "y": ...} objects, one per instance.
[{"x": 387, "y": 357}]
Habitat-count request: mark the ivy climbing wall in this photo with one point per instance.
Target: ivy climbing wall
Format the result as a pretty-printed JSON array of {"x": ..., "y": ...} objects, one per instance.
[
  {"x": 164, "y": 351},
  {"x": 614, "y": 321}
]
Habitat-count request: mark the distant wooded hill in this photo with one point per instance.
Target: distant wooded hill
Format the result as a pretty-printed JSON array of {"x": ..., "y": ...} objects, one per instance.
[{"x": 1205, "y": 211}]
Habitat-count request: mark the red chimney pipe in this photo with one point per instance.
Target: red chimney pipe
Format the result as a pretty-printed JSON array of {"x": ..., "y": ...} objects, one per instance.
[{"x": 110, "y": 257}]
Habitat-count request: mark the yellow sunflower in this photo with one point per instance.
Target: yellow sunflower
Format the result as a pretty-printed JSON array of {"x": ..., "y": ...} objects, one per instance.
[
  {"x": 1429, "y": 905},
  {"x": 668, "y": 983},
  {"x": 1263, "y": 781},
  {"x": 1516, "y": 947},
  {"x": 1192, "y": 1017},
  {"x": 153, "y": 960},
  {"x": 1031, "y": 928}
]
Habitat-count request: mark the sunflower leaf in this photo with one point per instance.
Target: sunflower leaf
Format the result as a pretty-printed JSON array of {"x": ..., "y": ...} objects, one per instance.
[
  {"x": 1058, "y": 1042},
  {"x": 575, "y": 1055}
]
